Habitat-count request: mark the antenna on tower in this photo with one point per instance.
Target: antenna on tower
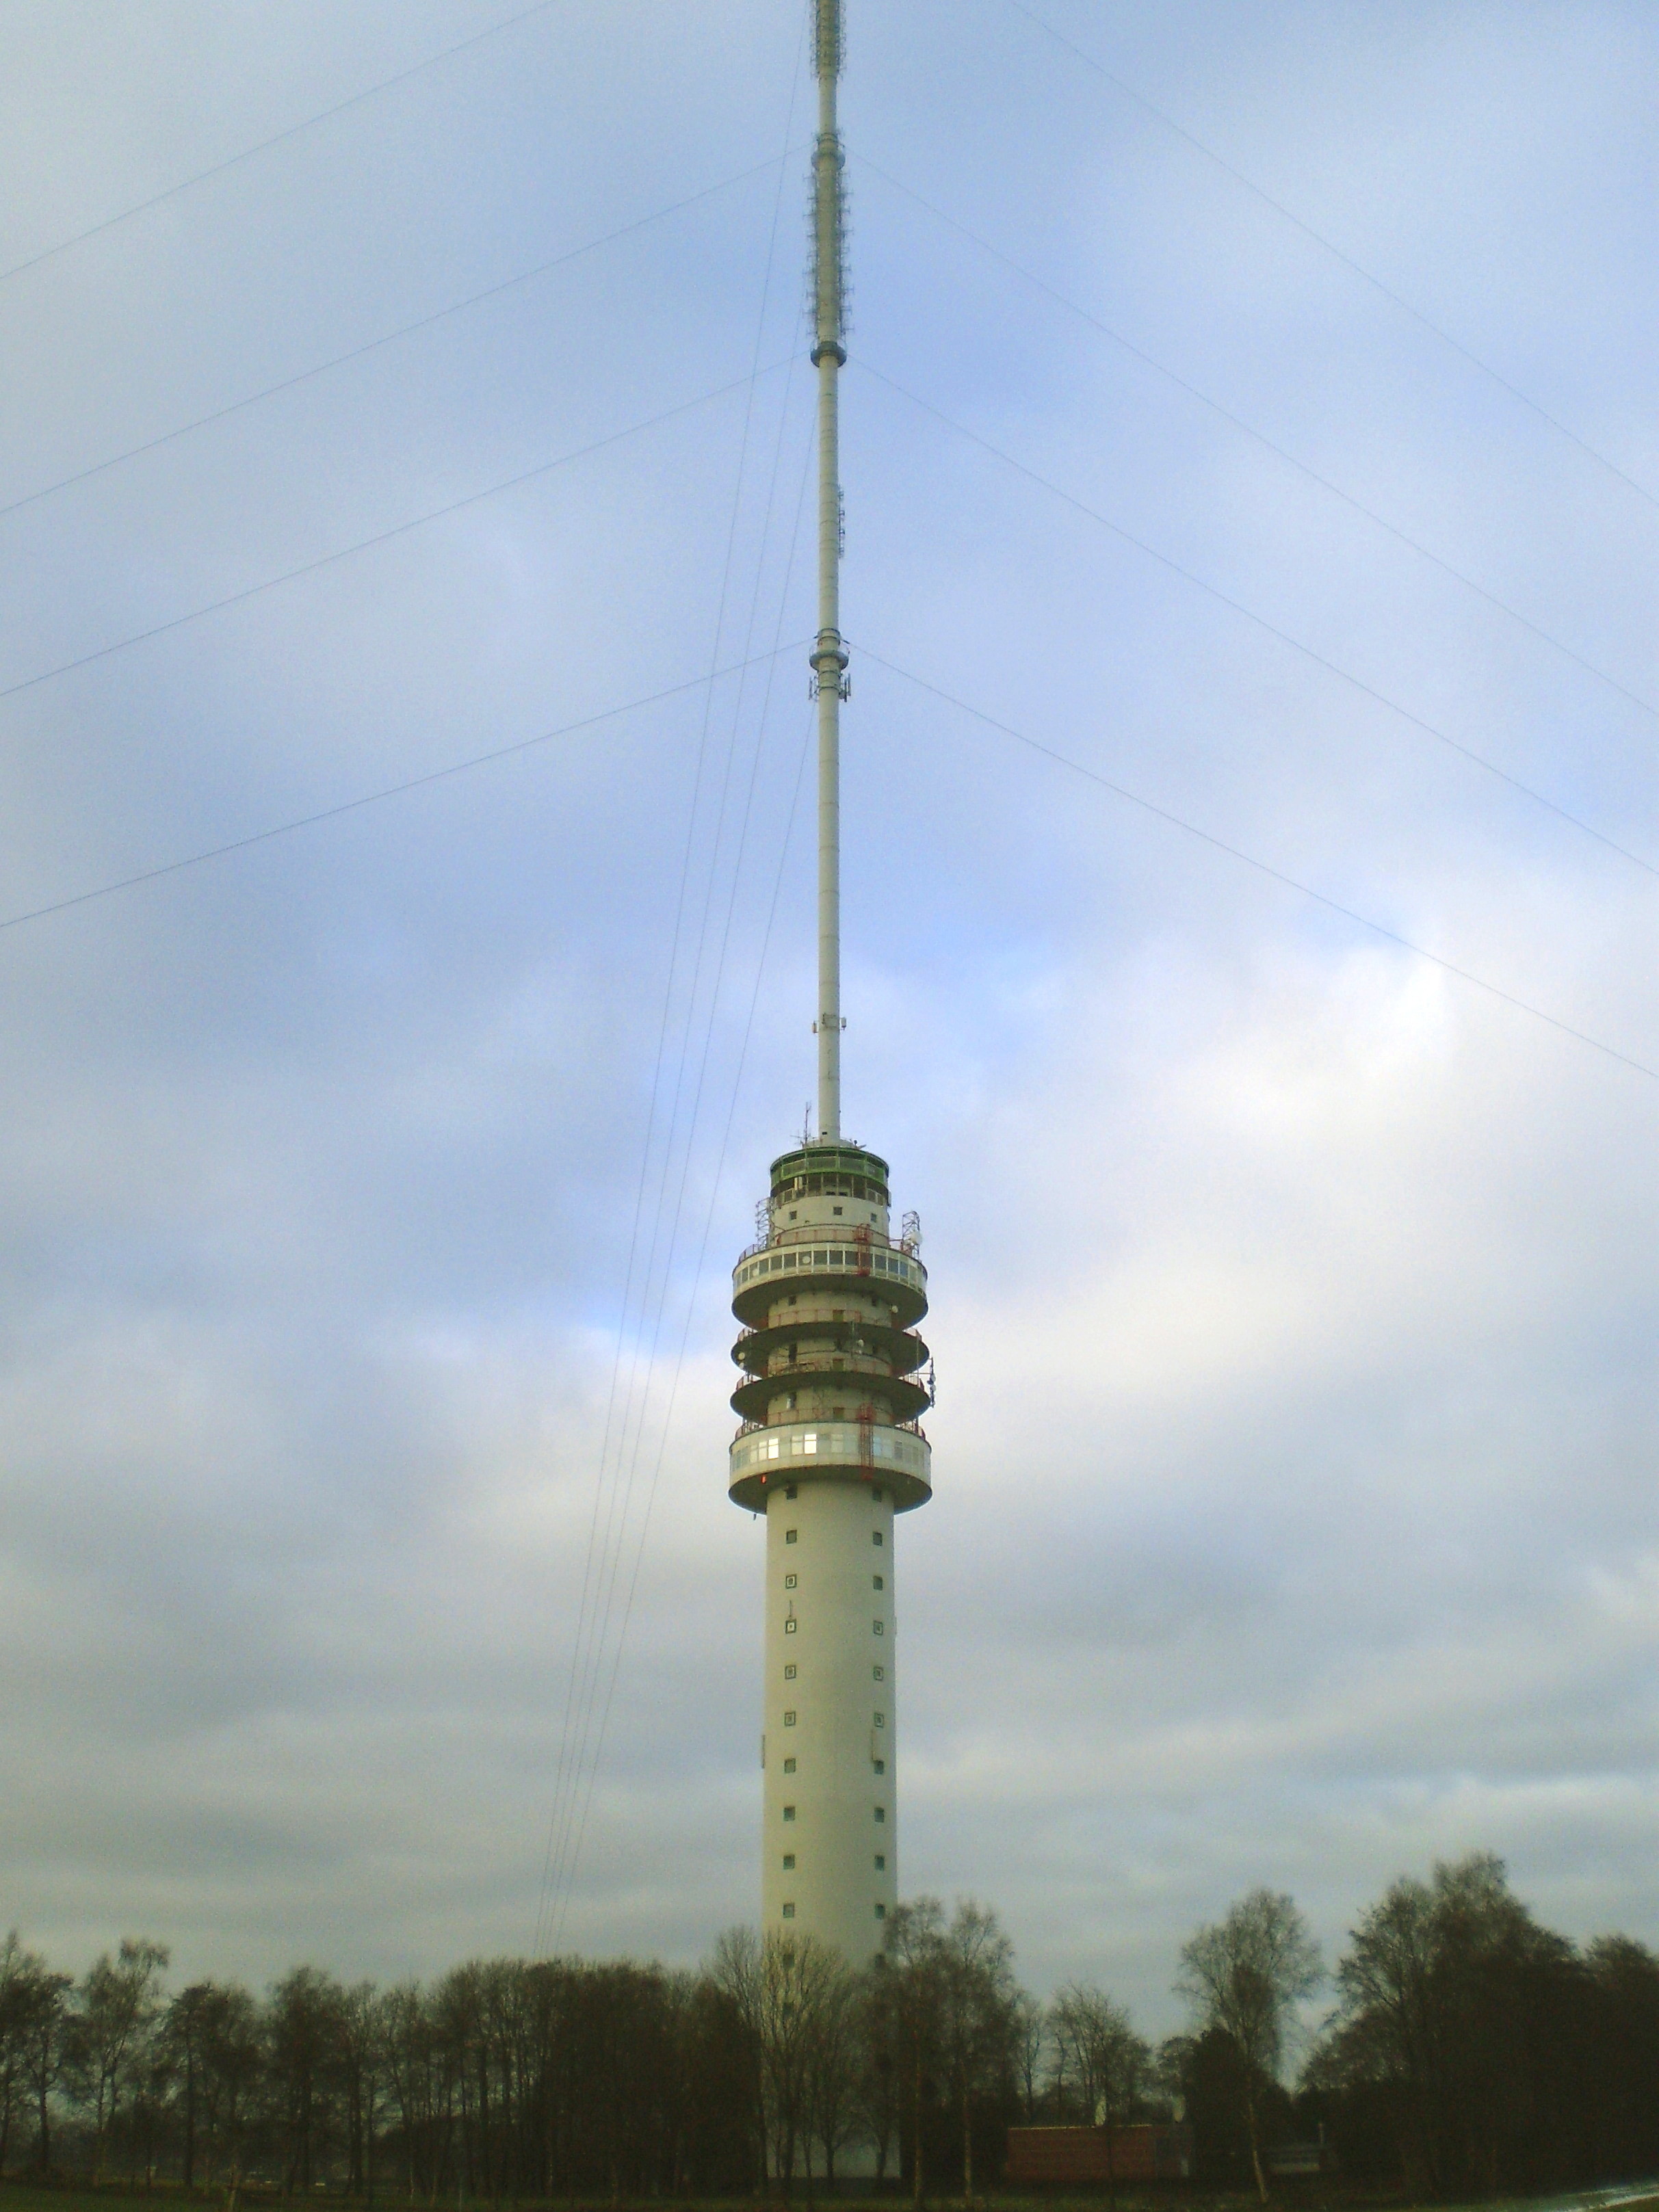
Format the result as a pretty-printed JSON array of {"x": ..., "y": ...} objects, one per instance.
[{"x": 829, "y": 655}]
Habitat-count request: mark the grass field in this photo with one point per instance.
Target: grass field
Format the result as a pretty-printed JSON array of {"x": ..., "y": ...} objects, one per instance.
[{"x": 1322, "y": 2195}]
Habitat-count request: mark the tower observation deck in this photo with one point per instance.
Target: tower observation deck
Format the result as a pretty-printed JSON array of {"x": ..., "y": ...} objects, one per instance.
[{"x": 833, "y": 1377}]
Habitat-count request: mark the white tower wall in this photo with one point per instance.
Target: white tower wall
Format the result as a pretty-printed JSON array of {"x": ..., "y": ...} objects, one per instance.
[{"x": 831, "y": 1823}]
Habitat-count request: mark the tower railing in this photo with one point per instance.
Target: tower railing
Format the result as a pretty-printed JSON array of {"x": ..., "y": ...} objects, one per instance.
[
  {"x": 826, "y": 1233},
  {"x": 747, "y": 1334},
  {"x": 813, "y": 1373}
]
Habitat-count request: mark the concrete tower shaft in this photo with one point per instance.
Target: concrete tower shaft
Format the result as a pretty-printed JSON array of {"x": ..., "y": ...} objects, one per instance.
[{"x": 830, "y": 1450}]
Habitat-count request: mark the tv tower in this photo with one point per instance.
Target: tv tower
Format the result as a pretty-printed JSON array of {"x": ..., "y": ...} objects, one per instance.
[{"x": 830, "y": 1448}]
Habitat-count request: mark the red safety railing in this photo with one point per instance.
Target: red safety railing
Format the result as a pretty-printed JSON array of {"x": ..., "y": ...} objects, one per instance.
[{"x": 821, "y": 1233}]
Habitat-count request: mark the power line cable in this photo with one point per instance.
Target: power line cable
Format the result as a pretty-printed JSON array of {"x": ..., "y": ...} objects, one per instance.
[
  {"x": 383, "y": 537},
  {"x": 373, "y": 798},
  {"x": 278, "y": 139},
  {"x": 716, "y": 1181},
  {"x": 1347, "y": 259},
  {"x": 714, "y": 1188},
  {"x": 595, "y": 1719},
  {"x": 599, "y": 1588},
  {"x": 590, "y": 1743},
  {"x": 573, "y": 1723},
  {"x": 599, "y": 1569},
  {"x": 1226, "y": 414},
  {"x": 1261, "y": 621},
  {"x": 606, "y": 1538},
  {"x": 666, "y": 1417},
  {"x": 1250, "y": 859},
  {"x": 373, "y": 345}
]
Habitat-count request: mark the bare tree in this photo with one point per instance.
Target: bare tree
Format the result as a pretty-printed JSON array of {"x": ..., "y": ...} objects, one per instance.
[
  {"x": 797, "y": 2001},
  {"x": 118, "y": 2006},
  {"x": 208, "y": 2044},
  {"x": 801, "y": 1983},
  {"x": 232, "y": 2061},
  {"x": 1171, "y": 2069},
  {"x": 1109, "y": 2063},
  {"x": 1472, "y": 2048},
  {"x": 361, "y": 2078},
  {"x": 737, "y": 1972},
  {"x": 1244, "y": 1977},
  {"x": 913, "y": 1967},
  {"x": 1442, "y": 1993},
  {"x": 978, "y": 1998},
  {"x": 184, "y": 2033},
  {"x": 14, "y": 1969},
  {"x": 881, "y": 2082},
  {"x": 302, "y": 2051},
  {"x": 1031, "y": 2027},
  {"x": 40, "y": 2018},
  {"x": 834, "y": 2053}
]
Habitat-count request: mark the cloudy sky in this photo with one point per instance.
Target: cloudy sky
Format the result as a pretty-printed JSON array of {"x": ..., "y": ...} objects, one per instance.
[{"x": 1252, "y": 483}]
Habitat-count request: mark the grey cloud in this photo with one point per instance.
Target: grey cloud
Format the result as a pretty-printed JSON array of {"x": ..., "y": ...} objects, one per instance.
[{"x": 1293, "y": 1300}]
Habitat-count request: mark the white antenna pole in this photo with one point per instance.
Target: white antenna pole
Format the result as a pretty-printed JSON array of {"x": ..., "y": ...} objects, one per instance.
[{"x": 828, "y": 656}]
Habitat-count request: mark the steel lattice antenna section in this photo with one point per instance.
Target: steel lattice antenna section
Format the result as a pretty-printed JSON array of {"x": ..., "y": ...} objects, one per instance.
[{"x": 829, "y": 657}]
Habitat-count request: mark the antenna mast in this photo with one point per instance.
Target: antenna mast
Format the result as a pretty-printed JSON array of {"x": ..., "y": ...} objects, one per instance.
[{"x": 828, "y": 656}]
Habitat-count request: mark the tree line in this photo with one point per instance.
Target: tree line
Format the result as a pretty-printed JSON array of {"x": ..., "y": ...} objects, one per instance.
[{"x": 1458, "y": 2048}]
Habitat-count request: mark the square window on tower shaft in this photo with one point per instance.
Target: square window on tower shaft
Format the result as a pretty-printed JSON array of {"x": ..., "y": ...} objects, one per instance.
[
  {"x": 880, "y": 1765},
  {"x": 881, "y": 1813},
  {"x": 788, "y": 1911},
  {"x": 789, "y": 1627},
  {"x": 789, "y": 1672},
  {"x": 788, "y": 1765},
  {"x": 875, "y": 1538},
  {"x": 789, "y": 1720},
  {"x": 791, "y": 1581},
  {"x": 790, "y": 1534},
  {"x": 789, "y": 1862},
  {"x": 789, "y": 1813},
  {"x": 881, "y": 1862},
  {"x": 876, "y": 1583}
]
